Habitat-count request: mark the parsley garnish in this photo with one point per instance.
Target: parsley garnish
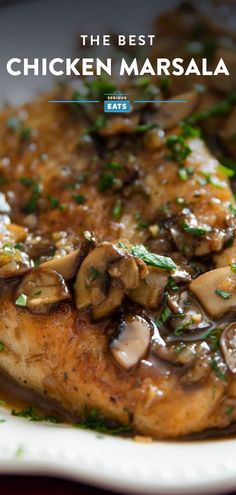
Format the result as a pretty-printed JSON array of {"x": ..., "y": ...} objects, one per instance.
[
  {"x": 2, "y": 346},
  {"x": 117, "y": 210},
  {"x": 221, "y": 108},
  {"x": 106, "y": 181},
  {"x": 114, "y": 165},
  {"x": 153, "y": 259},
  {"x": 223, "y": 293},
  {"x": 26, "y": 133},
  {"x": 233, "y": 267},
  {"x": 178, "y": 147},
  {"x": 183, "y": 174},
  {"x": 145, "y": 127},
  {"x": 195, "y": 230},
  {"x": 93, "y": 273},
  {"x": 94, "y": 421},
  {"x": 182, "y": 326},
  {"x": 229, "y": 410},
  {"x": 31, "y": 414},
  {"x": 228, "y": 172},
  {"x": 172, "y": 284},
  {"x": 32, "y": 205},
  {"x": 214, "y": 366},
  {"x": 54, "y": 202},
  {"x": 79, "y": 198},
  {"x": 21, "y": 300}
]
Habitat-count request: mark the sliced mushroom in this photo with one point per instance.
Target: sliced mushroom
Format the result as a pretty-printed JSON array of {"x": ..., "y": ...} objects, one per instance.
[
  {"x": 41, "y": 289},
  {"x": 104, "y": 276},
  {"x": 67, "y": 265},
  {"x": 228, "y": 346},
  {"x": 150, "y": 289},
  {"x": 133, "y": 341},
  {"x": 216, "y": 291},
  {"x": 13, "y": 262},
  {"x": 187, "y": 315},
  {"x": 170, "y": 115},
  {"x": 180, "y": 354}
]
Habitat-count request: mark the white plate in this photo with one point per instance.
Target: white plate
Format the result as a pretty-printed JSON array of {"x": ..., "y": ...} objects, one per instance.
[{"x": 50, "y": 29}]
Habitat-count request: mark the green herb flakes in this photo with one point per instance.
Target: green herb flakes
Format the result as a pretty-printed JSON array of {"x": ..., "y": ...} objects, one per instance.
[
  {"x": 117, "y": 210},
  {"x": 21, "y": 300},
  {"x": 153, "y": 259},
  {"x": 2, "y": 346},
  {"x": 198, "y": 231},
  {"x": 223, "y": 294},
  {"x": 214, "y": 366},
  {"x": 79, "y": 198}
]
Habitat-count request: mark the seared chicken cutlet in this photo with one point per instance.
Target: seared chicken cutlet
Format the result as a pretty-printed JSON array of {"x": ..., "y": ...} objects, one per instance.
[
  {"x": 89, "y": 316},
  {"x": 117, "y": 249}
]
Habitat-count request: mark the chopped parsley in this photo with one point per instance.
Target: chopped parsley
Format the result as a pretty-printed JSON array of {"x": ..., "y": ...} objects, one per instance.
[
  {"x": 172, "y": 284},
  {"x": 214, "y": 366},
  {"x": 32, "y": 414},
  {"x": 182, "y": 326},
  {"x": 117, "y": 210},
  {"x": 233, "y": 267},
  {"x": 26, "y": 133},
  {"x": 26, "y": 181},
  {"x": 229, "y": 410},
  {"x": 164, "y": 84},
  {"x": 100, "y": 86},
  {"x": 92, "y": 273},
  {"x": 79, "y": 198},
  {"x": 213, "y": 337},
  {"x": 196, "y": 230},
  {"x": 94, "y": 421},
  {"x": 228, "y": 172},
  {"x": 145, "y": 127},
  {"x": 2, "y": 346},
  {"x": 163, "y": 317},
  {"x": 216, "y": 110},
  {"x": 178, "y": 148},
  {"x": 183, "y": 174},
  {"x": 223, "y": 294},
  {"x": 32, "y": 205},
  {"x": 113, "y": 165},
  {"x": 99, "y": 123},
  {"x": 106, "y": 181},
  {"x": 54, "y": 202},
  {"x": 153, "y": 259},
  {"x": 21, "y": 300}
]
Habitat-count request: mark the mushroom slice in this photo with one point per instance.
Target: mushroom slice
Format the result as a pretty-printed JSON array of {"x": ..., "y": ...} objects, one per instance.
[
  {"x": 228, "y": 346},
  {"x": 13, "y": 262},
  {"x": 149, "y": 291},
  {"x": 216, "y": 291},
  {"x": 67, "y": 265},
  {"x": 170, "y": 116},
  {"x": 40, "y": 289},
  {"x": 132, "y": 342},
  {"x": 104, "y": 276}
]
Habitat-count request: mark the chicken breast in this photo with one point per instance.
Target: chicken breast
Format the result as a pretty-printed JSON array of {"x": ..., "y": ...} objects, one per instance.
[{"x": 89, "y": 317}]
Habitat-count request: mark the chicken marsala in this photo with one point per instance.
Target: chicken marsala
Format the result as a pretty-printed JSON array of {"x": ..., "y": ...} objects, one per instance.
[{"x": 117, "y": 252}]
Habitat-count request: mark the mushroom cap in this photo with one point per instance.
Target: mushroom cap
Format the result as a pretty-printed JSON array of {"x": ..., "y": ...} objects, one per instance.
[
  {"x": 42, "y": 288},
  {"x": 132, "y": 342}
]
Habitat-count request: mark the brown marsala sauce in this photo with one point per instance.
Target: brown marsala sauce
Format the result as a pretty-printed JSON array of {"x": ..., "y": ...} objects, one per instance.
[{"x": 16, "y": 397}]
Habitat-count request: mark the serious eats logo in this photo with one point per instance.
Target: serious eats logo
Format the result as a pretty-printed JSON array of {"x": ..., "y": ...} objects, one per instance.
[{"x": 116, "y": 102}]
